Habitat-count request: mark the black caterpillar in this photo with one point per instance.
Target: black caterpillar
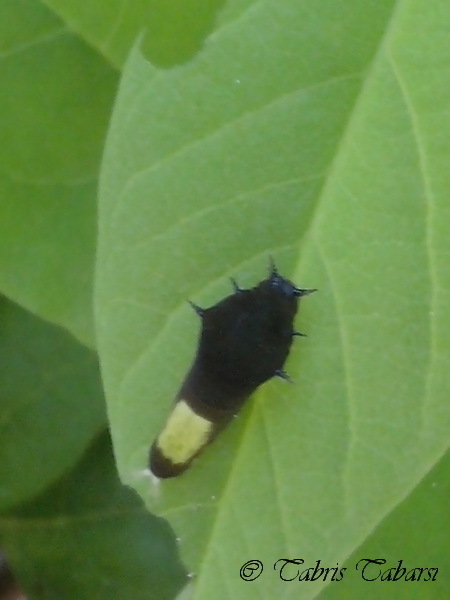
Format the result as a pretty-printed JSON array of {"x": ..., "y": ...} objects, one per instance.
[{"x": 244, "y": 341}]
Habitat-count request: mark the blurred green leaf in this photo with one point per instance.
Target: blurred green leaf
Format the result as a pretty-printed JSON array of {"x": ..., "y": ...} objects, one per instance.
[
  {"x": 54, "y": 109},
  {"x": 318, "y": 135},
  {"x": 90, "y": 537},
  {"x": 51, "y": 403},
  {"x": 173, "y": 31}
]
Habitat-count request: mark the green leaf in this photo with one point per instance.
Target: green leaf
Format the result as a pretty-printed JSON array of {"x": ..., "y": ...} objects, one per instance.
[
  {"x": 425, "y": 510},
  {"x": 319, "y": 136},
  {"x": 89, "y": 537},
  {"x": 173, "y": 31},
  {"x": 51, "y": 403},
  {"x": 54, "y": 110}
]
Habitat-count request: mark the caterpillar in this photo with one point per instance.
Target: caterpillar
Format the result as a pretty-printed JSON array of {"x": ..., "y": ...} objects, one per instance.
[{"x": 245, "y": 340}]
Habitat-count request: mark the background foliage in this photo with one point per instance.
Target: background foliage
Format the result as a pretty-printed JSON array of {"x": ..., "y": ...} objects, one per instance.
[{"x": 136, "y": 174}]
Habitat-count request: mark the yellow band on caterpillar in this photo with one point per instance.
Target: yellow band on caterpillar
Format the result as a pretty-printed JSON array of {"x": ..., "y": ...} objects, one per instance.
[{"x": 184, "y": 435}]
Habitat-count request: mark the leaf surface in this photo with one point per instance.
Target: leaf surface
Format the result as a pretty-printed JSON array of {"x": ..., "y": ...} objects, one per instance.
[
  {"x": 54, "y": 108},
  {"x": 89, "y": 536},
  {"x": 318, "y": 135},
  {"x": 172, "y": 31},
  {"x": 400, "y": 538},
  {"x": 51, "y": 403}
]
